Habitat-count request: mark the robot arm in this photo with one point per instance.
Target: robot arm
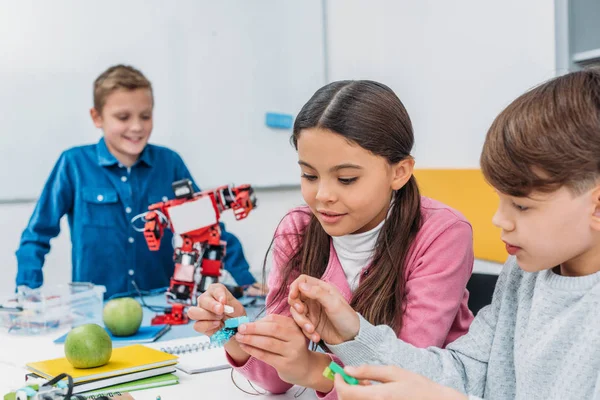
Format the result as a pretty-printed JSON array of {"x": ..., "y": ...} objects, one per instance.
[
  {"x": 153, "y": 230},
  {"x": 240, "y": 199}
]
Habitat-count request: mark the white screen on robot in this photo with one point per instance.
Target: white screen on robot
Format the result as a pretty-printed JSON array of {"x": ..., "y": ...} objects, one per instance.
[{"x": 192, "y": 215}]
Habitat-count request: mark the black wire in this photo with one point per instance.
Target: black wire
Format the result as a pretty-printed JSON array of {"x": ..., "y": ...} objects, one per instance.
[
  {"x": 258, "y": 393},
  {"x": 69, "y": 395},
  {"x": 151, "y": 308}
]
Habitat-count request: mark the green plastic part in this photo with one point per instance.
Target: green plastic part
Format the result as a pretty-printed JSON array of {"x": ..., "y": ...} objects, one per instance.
[
  {"x": 328, "y": 373},
  {"x": 334, "y": 368}
]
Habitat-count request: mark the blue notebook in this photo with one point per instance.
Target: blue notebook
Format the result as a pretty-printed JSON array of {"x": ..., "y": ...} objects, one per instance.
[{"x": 146, "y": 334}]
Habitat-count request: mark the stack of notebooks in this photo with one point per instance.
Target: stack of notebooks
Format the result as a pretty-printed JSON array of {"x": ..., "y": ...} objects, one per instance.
[{"x": 130, "y": 368}]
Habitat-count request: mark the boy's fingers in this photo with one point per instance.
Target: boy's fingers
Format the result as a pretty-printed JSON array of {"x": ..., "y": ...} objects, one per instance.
[
  {"x": 310, "y": 336},
  {"x": 353, "y": 392},
  {"x": 303, "y": 322},
  {"x": 252, "y": 291},
  {"x": 321, "y": 293},
  {"x": 344, "y": 391},
  {"x": 294, "y": 291},
  {"x": 298, "y": 306},
  {"x": 378, "y": 373}
]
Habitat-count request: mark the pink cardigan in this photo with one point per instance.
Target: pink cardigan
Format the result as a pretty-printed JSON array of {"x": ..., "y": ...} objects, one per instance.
[{"x": 438, "y": 266}]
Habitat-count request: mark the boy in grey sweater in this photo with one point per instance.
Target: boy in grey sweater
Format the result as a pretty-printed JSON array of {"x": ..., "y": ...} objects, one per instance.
[{"x": 540, "y": 337}]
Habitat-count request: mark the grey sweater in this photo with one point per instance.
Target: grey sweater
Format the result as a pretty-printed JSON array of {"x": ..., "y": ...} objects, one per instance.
[{"x": 539, "y": 339}]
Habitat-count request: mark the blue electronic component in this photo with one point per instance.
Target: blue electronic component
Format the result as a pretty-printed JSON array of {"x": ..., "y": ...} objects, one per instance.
[
  {"x": 280, "y": 121},
  {"x": 235, "y": 322},
  {"x": 220, "y": 337}
]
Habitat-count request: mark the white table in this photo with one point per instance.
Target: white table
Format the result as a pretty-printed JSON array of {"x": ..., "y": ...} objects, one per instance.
[{"x": 17, "y": 350}]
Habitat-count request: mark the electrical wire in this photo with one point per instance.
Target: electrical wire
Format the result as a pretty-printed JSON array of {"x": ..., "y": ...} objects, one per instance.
[{"x": 151, "y": 308}]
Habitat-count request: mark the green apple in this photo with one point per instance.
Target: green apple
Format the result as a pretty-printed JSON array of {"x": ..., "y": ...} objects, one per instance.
[
  {"x": 88, "y": 346},
  {"x": 122, "y": 317}
]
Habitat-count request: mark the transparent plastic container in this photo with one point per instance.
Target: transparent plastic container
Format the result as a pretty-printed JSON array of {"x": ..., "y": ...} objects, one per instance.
[{"x": 38, "y": 311}]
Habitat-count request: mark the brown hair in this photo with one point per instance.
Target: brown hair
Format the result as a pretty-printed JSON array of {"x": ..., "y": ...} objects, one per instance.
[
  {"x": 547, "y": 138},
  {"x": 118, "y": 77},
  {"x": 371, "y": 115}
]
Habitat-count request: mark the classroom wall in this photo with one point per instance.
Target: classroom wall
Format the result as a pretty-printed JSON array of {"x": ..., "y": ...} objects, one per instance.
[
  {"x": 454, "y": 64},
  {"x": 395, "y": 42}
]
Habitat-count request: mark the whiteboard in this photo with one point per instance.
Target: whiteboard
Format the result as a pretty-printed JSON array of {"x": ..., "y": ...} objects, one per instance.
[{"x": 217, "y": 68}]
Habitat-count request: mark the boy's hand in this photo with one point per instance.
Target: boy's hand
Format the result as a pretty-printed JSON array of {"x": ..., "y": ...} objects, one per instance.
[
  {"x": 321, "y": 311},
  {"x": 210, "y": 311},
  {"x": 396, "y": 384},
  {"x": 257, "y": 290},
  {"x": 277, "y": 341}
]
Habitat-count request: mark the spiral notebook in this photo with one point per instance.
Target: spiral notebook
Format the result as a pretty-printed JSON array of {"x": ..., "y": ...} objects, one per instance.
[{"x": 196, "y": 354}]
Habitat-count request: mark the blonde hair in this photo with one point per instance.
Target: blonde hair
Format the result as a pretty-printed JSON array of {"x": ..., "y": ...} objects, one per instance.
[{"x": 118, "y": 77}]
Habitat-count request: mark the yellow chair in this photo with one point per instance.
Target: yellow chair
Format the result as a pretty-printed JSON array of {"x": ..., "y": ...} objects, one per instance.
[{"x": 467, "y": 191}]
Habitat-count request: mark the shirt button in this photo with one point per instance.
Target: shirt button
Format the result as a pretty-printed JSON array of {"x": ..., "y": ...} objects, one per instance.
[
  {"x": 124, "y": 179},
  {"x": 128, "y": 210},
  {"x": 131, "y": 272},
  {"x": 120, "y": 165},
  {"x": 165, "y": 198},
  {"x": 131, "y": 240},
  {"x": 100, "y": 197}
]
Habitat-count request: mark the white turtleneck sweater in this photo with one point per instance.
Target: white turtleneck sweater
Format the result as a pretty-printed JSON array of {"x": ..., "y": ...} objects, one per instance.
[{"x": 355, "y": 252}]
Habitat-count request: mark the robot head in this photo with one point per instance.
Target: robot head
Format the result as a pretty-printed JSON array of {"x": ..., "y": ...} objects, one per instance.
[{"x": 183, "y": 189}]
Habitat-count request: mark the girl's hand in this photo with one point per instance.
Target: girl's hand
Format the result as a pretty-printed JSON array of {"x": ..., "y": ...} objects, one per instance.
[
  {"x": 210, "y": 311},
  {"x": 396, "y": 384},
  {"x": 277, "y": 341},
  {"x": 321, "y": 311}
]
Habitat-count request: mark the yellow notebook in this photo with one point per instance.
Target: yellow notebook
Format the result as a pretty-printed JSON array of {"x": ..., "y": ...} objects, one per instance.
[{"x": 124, "y": 360}]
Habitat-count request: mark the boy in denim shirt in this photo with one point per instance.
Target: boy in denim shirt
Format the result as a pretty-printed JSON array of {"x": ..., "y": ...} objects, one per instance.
[{"x": 100, "y": 187}]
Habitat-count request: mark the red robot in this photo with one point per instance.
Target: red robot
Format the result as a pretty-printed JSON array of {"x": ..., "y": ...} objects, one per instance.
[{"x": 195, "y": 217}]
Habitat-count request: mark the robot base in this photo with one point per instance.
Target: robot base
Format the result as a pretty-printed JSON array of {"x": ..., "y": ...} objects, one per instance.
[{"x": 176, "y": 316}]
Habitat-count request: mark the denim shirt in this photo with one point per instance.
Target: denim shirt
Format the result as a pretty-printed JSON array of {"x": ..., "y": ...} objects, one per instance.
[{"x": 100, "y": 197}]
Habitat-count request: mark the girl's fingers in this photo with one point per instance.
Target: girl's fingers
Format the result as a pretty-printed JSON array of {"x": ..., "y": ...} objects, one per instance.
[
  {"x": 207, "y": 327},
  {"x": 209, "y": 303},
  {"x": 259, "y": 354},
  {"x": 265, "y": 343},
  {"x": 268, "y": 328},
  {"x": 218, "y": 292},
  {"x": 201, "y": 314}
]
